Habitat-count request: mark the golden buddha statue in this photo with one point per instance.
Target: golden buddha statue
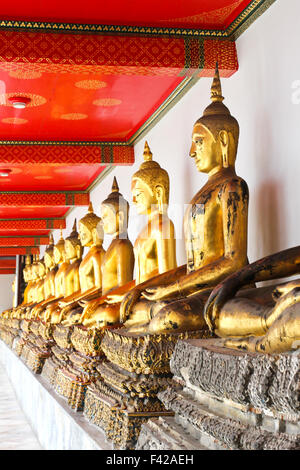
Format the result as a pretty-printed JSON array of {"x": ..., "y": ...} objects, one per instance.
[
  {"x": 118, "y": 261},
  {"x": 36, "y": 293},
  {"x": 28, "y": 292},
  {"x": 155, "y": 246},
  {"x": 49, "y": 279},
  {"x": 51, "y": 311},
  {"x": 215, "y": 227},
  {"x": 266, "y": 319},
  {"x": 73, "y": 256},
  {"x": 89, "y": 272}
]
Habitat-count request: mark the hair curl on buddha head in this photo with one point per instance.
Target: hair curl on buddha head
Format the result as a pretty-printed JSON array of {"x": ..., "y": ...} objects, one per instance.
[
  {"x": 151, "y": 174},
  {"x": 92, "y": 222},
  {"x": 216, "y": 117},
  {"x": 117, "y": 202}
]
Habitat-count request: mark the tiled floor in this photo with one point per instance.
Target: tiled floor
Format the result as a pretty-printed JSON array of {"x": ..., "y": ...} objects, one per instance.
[{"x": 15, "y": 431}]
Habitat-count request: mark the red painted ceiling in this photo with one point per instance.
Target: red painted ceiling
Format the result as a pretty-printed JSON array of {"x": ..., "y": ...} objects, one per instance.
[
  {"x": 208, "y": 14},
  {"x": 71, "y": 107},
  {"x": 49, "y": 177}
]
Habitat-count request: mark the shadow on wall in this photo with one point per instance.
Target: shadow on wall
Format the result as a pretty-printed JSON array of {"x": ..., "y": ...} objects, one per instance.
[{"x": 271, "y": 226}]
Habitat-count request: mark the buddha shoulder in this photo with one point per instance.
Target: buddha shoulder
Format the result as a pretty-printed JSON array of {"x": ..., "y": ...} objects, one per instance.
[{"x": 234, "y": 188}]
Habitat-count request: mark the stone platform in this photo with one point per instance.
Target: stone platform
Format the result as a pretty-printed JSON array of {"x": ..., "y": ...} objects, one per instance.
[
  {"x": 227, "y": 399},
  {"x": 56, "y": 426}
]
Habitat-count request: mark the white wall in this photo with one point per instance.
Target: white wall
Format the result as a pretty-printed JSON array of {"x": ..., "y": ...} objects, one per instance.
[
  {"x": 259, "y": 95},
  {"x": 6, "y": 293}
]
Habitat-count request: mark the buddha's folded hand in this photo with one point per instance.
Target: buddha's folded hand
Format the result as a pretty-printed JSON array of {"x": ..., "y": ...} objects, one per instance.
[
  {"x": 161, "y": 292},
  {"x": 128, "y": 303}
]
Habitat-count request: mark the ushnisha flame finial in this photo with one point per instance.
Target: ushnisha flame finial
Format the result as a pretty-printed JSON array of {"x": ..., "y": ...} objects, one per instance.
[
  {"x": 147, "y": 153},
  {"x": 74, "y": 229},
  {"x": 216, "y": 88},
  {"x": 90, "y": 208},
  {"x": 115, "y": 186},
  {"x": 51, "y": 239},
  {"x": 61, "y": 233}
]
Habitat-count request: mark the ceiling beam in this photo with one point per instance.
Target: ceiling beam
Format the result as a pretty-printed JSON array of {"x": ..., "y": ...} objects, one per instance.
[
  {"x": 20, "y": 250},
  {"x": 7, "y": 263},
  {"x": 115, "y": 54},
  {"x": 23, "y": 241},
  {"x": 44, "y": 198},
  {"x": 7, "y": 271},
  {"x": 32, "y": 224},
  {"x": 65, "y": 153}
]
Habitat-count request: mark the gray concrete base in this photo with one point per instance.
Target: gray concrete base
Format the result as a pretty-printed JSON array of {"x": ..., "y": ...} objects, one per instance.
[{"x": 55, "y": 425}]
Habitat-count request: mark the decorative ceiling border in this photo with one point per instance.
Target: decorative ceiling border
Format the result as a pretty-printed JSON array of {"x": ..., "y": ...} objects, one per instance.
[{"x": 243, "y": 21}]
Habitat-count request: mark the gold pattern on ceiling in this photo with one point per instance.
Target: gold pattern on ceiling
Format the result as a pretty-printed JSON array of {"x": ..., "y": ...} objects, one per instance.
[
  {"x": 91, "y": 84},
  {"x": 14, "y": 120},
  {"x": 73, "y": 116},
  {"x": 25, "y": 74},
  {"x": 213, "y": 17},
  {"x": 107, "y": 102}
]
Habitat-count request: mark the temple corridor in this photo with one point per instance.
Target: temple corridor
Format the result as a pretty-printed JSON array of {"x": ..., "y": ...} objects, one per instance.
[{"x": 15, "y": 430}]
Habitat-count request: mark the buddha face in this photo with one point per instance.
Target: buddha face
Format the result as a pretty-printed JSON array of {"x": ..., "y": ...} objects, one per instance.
[
  {"x": 110, "y": 219},
  {"x": 70, "y": 250},
  {"x": 41, "y": 269},
  {"x": 49, "y": 261},
  {"x": 142, "y": 197},
  {"x": 25, "y": 274},
  {"x": 57, "y": 255},
  {"x": 205, "y": 150},
  {"x": 35, "y": 271},
  {"x": 85, "y": 235}
]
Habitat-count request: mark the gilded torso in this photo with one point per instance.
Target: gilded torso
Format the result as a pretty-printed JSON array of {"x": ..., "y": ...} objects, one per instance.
[
  {"x": 204, "y": 222},
  {"x": 119, "y": 251},
  {"x": 158, "y": 232},
  {"x": 90, "y": 269}
]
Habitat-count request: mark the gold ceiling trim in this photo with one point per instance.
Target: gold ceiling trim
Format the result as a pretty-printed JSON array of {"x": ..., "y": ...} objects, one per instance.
[{"x": 234, "y": 30}]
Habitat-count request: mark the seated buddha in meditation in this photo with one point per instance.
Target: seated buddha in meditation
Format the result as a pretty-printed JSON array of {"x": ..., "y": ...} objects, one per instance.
[
  {"x": 51, "y": 305},
  {"x": 38, "y": 270},
  {"x": 17, "y": 312},
  {"x": 266, "y": 319},
  {"x": 49, "y": 280},
  {"x": 117, "y": 264},
  {"x": 215, "y": 227},
  {"x": 155, "y": 246},
  {"x": 89, "y": 277},
  {"x": 69, "y": 253}
]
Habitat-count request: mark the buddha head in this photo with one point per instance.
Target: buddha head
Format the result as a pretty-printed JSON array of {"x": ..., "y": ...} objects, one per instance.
[
  {"x": 150, "y": 186},
  {"x": 49, "y": 254},
  {"x": 27, "y": 269},
  {"x": 59, "y": 250},
  {"x": 90, "y": 229},
  {"x": 114, "y": 212},
  {"x": 216, "y": 134},
  {"x": 41, "y": 268},
  {"x": 73, "y": 247},
  {"x": 35, "y": 268}
]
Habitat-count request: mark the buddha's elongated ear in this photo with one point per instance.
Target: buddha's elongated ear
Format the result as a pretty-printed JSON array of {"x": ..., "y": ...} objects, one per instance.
[
  {"x": 224, "y": 141},
  {"x": 159, "y": 195},
  {"x": 120, "y": 216}
]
